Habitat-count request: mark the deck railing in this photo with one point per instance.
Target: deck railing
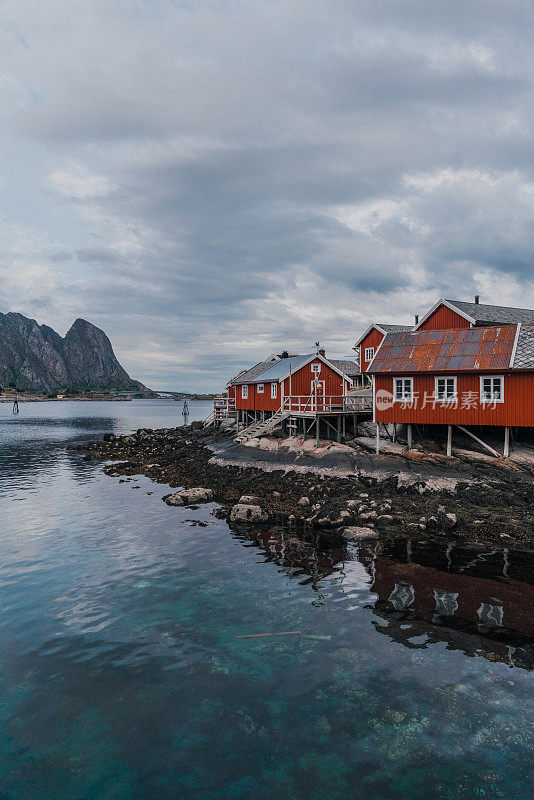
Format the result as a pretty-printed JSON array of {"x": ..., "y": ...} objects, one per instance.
[{"x": 351, "y": 403}]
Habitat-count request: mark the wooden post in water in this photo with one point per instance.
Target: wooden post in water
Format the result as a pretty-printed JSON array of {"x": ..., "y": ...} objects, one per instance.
[{"x": 449, "y": 440}]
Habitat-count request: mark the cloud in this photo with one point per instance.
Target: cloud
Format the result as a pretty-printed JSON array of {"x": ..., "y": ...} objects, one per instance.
[{"x": 209, "y": 182}]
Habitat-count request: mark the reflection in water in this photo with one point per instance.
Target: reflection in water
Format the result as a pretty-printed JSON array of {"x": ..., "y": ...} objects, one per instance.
[{"x": 465, "y": 598}]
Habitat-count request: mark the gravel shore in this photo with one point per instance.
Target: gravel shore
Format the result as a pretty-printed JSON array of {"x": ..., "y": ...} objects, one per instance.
[{"x": 336, "y": 490}]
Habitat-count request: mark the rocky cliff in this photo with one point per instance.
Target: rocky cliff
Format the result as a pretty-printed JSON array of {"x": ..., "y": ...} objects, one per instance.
[{"x": 37, "y": 359}]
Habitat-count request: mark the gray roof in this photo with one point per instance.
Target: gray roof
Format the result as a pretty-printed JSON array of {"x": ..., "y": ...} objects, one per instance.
[
  {"x": 524, "y": 355},
  {"x": 270, "y": 370},
  {"x": 349, "y": 368},
  {"x": 249, "y": 375},
  {"x": 394, "y": 328},
  {"x": 493, "y": 314}
]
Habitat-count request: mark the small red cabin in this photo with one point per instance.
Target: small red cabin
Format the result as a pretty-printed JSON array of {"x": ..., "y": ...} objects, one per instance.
[{"x": 304, "y": 382}]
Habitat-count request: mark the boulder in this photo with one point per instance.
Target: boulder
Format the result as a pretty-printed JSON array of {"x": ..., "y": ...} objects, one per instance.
[
  {"x": 384, "y": 520},
  {"x": 355, "y": 533},
  {"x": 248, "y": 512},
  {"x": 250, "y": 500},
  {"x": 447, "y": 521},
  {"x": 304, "y": 501},
  {"x": 366, "y": 515},
  {"x": 186, "y": 497}
]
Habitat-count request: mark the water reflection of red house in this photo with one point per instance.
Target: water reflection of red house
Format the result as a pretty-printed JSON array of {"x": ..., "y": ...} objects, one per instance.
[
  {"x": 488, "y": 616},
  {"x": 298, "y": 556}
]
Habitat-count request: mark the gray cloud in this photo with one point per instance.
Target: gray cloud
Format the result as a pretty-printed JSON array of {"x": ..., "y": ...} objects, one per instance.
[{"x": 237, "y": 177}]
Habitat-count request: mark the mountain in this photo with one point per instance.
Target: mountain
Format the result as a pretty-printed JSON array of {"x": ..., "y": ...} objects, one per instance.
[{"x": 37, "y": 359}]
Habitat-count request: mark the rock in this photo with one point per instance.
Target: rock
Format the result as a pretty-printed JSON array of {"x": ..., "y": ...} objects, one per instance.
[
  {"x": 304, "y": 501},
  {"x": 186, "y": 497},
  {"x": 352, "y": 504},
  {"x": 385, "y": 519},
  {"x": 368, "y": 515},
  {"x": 415, "y": 526},
  {"x": 277, "y": 494},
  {"x": 355, "y": 533},
  {"x": 248, "y": 512},
  {"x": 432, "y": 522},
  {"x": 447, "y": 521},
  {"x": 385, "y": 508},
  {"x": 331, "y": 516},
  {"x": 250, "y": 500}
]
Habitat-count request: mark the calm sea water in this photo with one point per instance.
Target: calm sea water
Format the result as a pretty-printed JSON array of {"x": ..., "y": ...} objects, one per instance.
[{"x": 407, "y": 672}]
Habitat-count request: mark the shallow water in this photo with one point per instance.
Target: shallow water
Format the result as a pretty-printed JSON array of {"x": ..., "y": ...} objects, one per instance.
[{"x": 406, "y": 673}]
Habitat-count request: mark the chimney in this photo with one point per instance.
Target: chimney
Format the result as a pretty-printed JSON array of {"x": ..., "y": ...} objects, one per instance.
[
  {"x": 417, "y": 319},
  {"x": 477, "y": 299},
  {"x": 322, "y": 352},
  {"x": 285, "y": 354}
]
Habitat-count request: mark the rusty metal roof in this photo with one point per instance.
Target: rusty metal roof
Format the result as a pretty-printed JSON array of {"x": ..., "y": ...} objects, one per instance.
[{"x": 466, "y": 349}]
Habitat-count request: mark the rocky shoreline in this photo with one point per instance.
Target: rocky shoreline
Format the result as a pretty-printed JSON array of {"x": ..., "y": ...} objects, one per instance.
[{"x": 483, "y": 504}]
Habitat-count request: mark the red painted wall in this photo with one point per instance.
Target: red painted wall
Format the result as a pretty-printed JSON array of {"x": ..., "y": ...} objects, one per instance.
[
  {"x": 257, "y": 401},
  {"x": 302, "y": 379},
  {"x": 442, "y": 319},
  {"x": 517, "y": 409},
  {"x": 372, "y": 339}
]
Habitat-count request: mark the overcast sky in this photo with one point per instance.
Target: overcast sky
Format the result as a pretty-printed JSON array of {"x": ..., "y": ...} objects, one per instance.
[{"x": 210, "y": 182}]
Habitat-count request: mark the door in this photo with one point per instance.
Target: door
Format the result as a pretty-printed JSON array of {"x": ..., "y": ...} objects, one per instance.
[{"x": 317, "y": 395}]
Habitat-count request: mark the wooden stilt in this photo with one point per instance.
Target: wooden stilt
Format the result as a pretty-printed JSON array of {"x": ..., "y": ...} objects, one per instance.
[
  {"x": 355, "y": 424},
  {"x": 483, "y": 444},
  {"x": 506, "y": 442},
  {"x": 304, "y": 428},
  {"x": 410, "y": 437},
  {"x": 317, "y": 431},
  {"x": 394, "y": 432},
  {"x": 339, "y": 428},
  {"x": 344, "y": 427},
  {"x": 449, "y": 440},
  {"x": 377, "y": 438}
]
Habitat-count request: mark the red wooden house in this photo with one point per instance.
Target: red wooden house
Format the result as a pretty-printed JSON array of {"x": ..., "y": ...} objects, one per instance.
[
  {"x": 370, "y": 341},
  {"x": 463, "y": 364},
  {"x": 295, "y": 382}
]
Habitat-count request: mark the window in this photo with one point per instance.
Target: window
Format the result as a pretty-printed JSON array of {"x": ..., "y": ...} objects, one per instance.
[
  {"x": 403, "y": 390},
  {"x": 274, "y": 390},
  {"x": 260, "y": 388},
  {"x": 316, "y": 368},
  {"x": 369, "y": 353},
  {"x": 445, "y": 390},
  {"x": 491, "y": 389},
  {"x": 244, "y": 391}
]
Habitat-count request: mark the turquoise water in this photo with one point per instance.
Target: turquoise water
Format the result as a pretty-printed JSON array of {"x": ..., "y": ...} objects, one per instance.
[{"x": 406, "y": 672}]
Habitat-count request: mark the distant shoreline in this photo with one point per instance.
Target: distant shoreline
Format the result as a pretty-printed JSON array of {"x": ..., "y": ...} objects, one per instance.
[{"x": 36, "y": 398}]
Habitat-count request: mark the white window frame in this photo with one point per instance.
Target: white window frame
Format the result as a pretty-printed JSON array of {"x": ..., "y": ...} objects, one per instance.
[
  {"x": 244, "y": 391},
  {"x": 448, "y": 398},
  {"x": 316, "y": 368},
  {"x": 274, "y": 390},
  {"x": 404, "y": 398},
  {"x": 492, "y": 378},
  {"x": 260, "y": 388},
  {"x": 369, "y": 354}
]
